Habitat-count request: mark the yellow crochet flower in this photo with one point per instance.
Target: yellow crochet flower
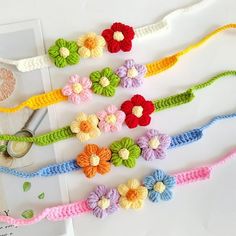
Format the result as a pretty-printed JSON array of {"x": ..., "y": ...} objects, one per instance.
[
  {"x": 85, "y": 127},
  {"x": 91, "y": 45},
  {"x": 132, "y": 194}
]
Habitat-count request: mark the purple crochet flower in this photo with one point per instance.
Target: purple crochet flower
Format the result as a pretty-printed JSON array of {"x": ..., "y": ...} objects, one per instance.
[
  {"x": 153, "y": 145},
  {"x": 103, "y": 201},
  {"x": 131, "y": 74}
]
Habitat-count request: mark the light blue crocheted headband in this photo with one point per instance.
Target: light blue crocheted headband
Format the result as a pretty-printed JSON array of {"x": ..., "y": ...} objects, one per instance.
[{"x": 152, "y": 145}]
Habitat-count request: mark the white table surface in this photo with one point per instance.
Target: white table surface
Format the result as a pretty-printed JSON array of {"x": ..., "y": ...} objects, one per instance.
[{"x": 204, "y": 208}]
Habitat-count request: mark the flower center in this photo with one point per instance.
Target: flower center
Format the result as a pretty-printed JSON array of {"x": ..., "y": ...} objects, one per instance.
[
  {"x": 159, "y": 187},
  {"x": 94, "y": 160},
  {"x": 137, "y": 111},
  {"x": 124, "y": 153},
  {"x": 154, "y": 143},
  {"x": 132, "y": 195},
  {"x": 132, "y": 73},
  {"x": 90, "y": 43},
  {"x": 104, "y": 81},
  {"x": 104, "y": 203},
  {"x": 111, "y": 119},
  {"x": 64, "y": 52},
  {"x": 85, "y": 126},
  {"x": 118, "y": 36},
  {"x": 77, "y": 88}
]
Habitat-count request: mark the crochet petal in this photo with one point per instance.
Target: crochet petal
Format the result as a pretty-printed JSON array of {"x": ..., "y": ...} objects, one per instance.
[
  {"x": 67, "y": 90},
  {"x": 96, "y": 52},
  {"x": 158, "y": 175},
  {"x": 103, "y": 167},
  {"x": 143, "y": 142},
  {"x": 85, "y": 82},
  {"x": 97, "y": 88},
  {"x": 83, "y": 137},
  {"x": 144, "y": 120},
  {"x": 92, "y": 200},
  {"x": 160, "y": 153},
  {"x": 148, "y": 154},
  {"x": 60, "y": 62},
  {"x": 134, "y": 151},
  {"x": 112, "y": 208},
  {"x": 130, "y": 163},
  {"x": 91, "y": 149},
  {"x": 128, "y": 32},
  {"x": 53, "y": 51},
  {"x": 108, "y": 34},
  {"x": 116, "y": 160},
  {"x": 137, "y": 100},
  {"x": 101, "y": 190},
  {"x": 133, "y": 183},
  {"x": 126, "y": 142},
  {"x": 121, "y": 71},
  {"x": 129, "y": 63},
  {"x": 117, "y": 26},
  {"x": 107, "y": 72},
  {"x": 123, "y": 189},
  {"x": 84, "y": 52},
  {"x": 93, "y": 119},
  {"x": 111, "y": 109},
  {"x": 148, "y": 107},
  {"x": 72, "y": 46},
  {"x": 124, "y": 203},
  {"x": 142, "y": 192},
  {"x": 81, "y": 117},
  {"x": 73, "y": 58},
  {"x": 100, "y": 41},
  {"x": 115, "y": 146},
  {"x": 86, "y": 95},
  {"x": 126, "y": 45},
  {"x": 104, "y": 154},
  {"x": 132, "y": 121},
  {"x": 74, "y": 126},
  {"x": 166, "y": 195},
  {"x": 114, "y": 80},
  {"x": 61, "y": 42},
  {"x": 95, "y": 132},
  {"x": 90, "y": 171},
  {"x": 113, "y": 46},
  {"x": 137, "y": 204},
  {"x": 169, "y": 181},
  {"x": 82, "y": 160},
  {"x": 142, "y": 69},
  {"x": 74, "y": 98},
  {"x": 154, "y": 196},
  {"x": 120, "y": 116},
  {"x": 149, "y": 182},
  {"x": 152, "y": 133},
  {"x": 108, "y": 91},
  {"x": 137, "y": 82},
  {"x": 104, "y": 126},
  {"x": 126, "y": 82},
  {"x": 74, "y": 79},
  {"x": 127, "y": 107},
  {"x": 116, "y": 127},
  {"x": 101, "y": 115},
  {"x": 95, "y": 76},
  {"x": 113, "y": 195},
  {"x": 98, "y": 212}
]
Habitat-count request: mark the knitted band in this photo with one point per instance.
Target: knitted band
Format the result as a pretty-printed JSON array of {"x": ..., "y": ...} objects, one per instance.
[
  {"x": 153, "y": 145},
  {"x": 129, "y": 75},
  {"x": 134, "y": 112},
  {"x": 118, "y": 37},
  {"x": 104, "y": 201}
]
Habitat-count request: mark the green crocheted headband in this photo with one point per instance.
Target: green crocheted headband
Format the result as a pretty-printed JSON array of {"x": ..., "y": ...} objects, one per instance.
[{"x": 134, "y": 112}]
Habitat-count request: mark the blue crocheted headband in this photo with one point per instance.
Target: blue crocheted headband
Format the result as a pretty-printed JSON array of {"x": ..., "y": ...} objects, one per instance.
[{"x": 152, "y": 145}]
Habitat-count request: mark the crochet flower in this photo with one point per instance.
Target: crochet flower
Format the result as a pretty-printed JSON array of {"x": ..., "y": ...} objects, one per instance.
[
  {"x": 85, "y": 127},
  {"x": 94, "y": 160},
  {"x": 124, "y": 152},
  {"x": 78, "y": 89},
  {"x": 132, "y": 194},
  {"x": 110, "y": 119},
  {"x": 153, "y": 145},
  {"x": 137, "y": 111},
  {"x": 119, "y": 37},
  {"x": 64, "y": 53},
  {"x": 131, "y": 74},
  {"x": 104, "y": 82},
  {"x": 103, "y": 201},
  {"x": 159, "y": 186},
  {"x": 91, "y": 45}
]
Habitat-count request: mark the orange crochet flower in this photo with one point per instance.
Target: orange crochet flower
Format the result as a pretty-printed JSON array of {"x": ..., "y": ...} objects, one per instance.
[{"x": 94, "y": 160}]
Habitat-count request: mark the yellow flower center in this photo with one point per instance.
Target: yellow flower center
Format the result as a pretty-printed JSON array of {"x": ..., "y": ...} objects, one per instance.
[
  {"x": 137, "y": 111},
  {"x": 104, "y": 81},
  {"x": 132, "y": 73},
  {"x": 132, "y": 195},
  {"x": 90, "y": 43},
  {"x": 111, "y": 119},
  {"x": 154, "y": 143},
  {"x": 124, "y": 153},
  {"x": 159, "y": 187},
  {"x": 104, "y": 203},
  {"x": 85, "y": 126},
  {"x": 77, "y": 88},
  {"x": 118, "y": 36},
  {"x": 64, "y": 52},
  {"x": 94, "y": 160}
]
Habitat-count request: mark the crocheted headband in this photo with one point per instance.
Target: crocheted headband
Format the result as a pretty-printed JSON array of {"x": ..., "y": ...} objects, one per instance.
[
  {"x": 116, "y": 38},
  {"x": 104, "y": 201},
  {"x": 106, "y": 81},
  {"x": 94, "y": 159},
  {"x": 134, "y": 112}
]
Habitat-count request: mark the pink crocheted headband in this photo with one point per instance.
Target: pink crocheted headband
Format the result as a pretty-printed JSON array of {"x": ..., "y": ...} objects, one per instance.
[{"x": 105, "y": 201}]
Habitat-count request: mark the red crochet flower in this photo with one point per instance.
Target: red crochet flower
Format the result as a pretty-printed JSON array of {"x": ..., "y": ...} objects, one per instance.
[
  {"x": 119, "y": 37},
  {"x": 137, "y": 111}
]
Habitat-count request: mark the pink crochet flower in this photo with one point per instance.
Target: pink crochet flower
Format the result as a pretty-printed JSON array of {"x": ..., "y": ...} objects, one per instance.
[
  {"x": 111, "y": 119},
  {"x": 78, "y": 89}
]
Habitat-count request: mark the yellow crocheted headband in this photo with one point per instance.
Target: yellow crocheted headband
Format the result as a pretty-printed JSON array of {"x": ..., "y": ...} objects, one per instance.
[{"x": 104, "y": 82}]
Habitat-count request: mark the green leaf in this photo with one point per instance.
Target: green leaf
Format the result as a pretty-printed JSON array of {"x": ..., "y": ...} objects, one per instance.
[
  {"x": 27, "y": 214},
  {"x": 26, "y": 186},
  {"x": 41, "y": 196}
]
